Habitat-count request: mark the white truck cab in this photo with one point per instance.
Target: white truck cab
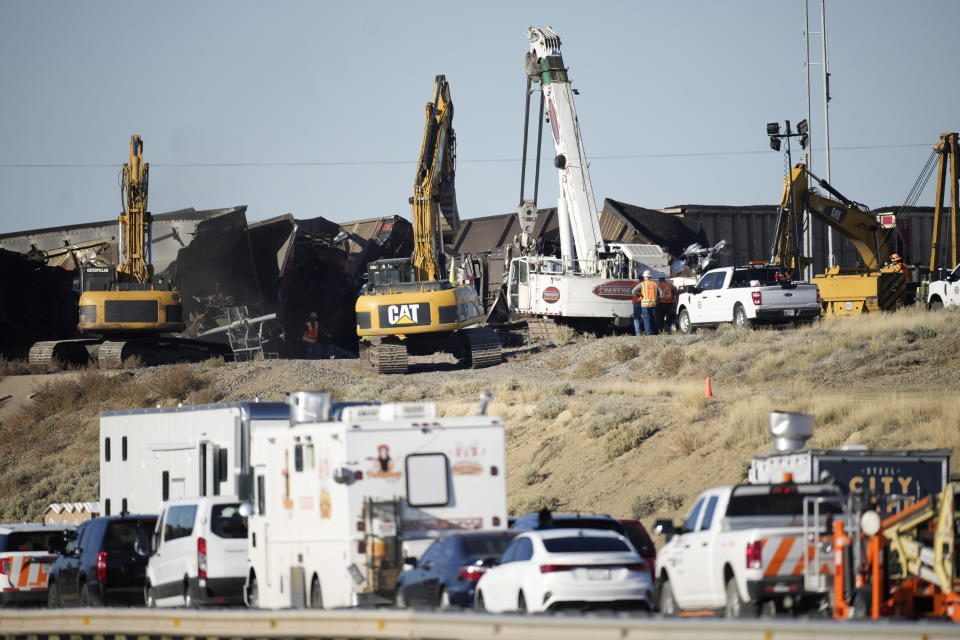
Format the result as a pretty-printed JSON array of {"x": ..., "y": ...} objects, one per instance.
[{"x": 946, "y": 292}]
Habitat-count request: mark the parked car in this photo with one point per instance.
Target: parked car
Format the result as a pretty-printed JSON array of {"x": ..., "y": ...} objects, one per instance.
[
  {"x": 198, "y": 554},
  {"x": 27, "y": 552},
  {"x": 566, "y": 568},
  {"x": 446, "y": 574},
  {"x": 99, "y": 565},
  {"x": 641, "y": 541}
]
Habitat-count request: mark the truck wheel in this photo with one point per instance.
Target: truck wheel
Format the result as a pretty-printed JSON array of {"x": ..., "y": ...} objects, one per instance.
[
  {"x": 521, "y": 603},
  {"x": 666, "y": 603},
  {"x": 148, "y": 598},
  {"x": 53, "y": 596},
  {"x": 740, "y": 319},
  {"x": 683, "y": 320},
  {"x": 253, "y": 594},
  {"x": 936, "y": 304},
  {"x": 478, "y": 604},
  {"x": 737, "y": 608},
  {"x": 84, "y": 596}
]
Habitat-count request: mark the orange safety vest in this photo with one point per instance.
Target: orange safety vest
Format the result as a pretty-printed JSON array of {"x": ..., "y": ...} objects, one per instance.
[
  {"x": 666, "y": 291},
  {"x": 899, "y": 267},
  {"x": 649, "y": 294},
  {"x": 313, "y": 329}
]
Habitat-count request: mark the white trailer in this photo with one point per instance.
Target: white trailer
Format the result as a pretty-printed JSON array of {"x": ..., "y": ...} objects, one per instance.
[
  {"x": 343, "y": 493},
  {"x": 148, "y": 456}
]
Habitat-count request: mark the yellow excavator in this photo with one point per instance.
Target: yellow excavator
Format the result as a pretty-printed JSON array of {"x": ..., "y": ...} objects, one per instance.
[
  {"x": 123, "y": 312},
  {"x": 875, "y": 286},
  {"x": 408, "y": 308}
]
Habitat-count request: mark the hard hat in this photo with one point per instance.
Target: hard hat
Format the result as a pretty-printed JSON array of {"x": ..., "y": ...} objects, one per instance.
[
  {"x": 646, "y": 274},
  {"x": 896, "y": 257},
  {"x": 313, "y": 314}
]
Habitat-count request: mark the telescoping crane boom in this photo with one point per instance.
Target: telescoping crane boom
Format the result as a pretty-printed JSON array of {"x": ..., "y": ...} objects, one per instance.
[
  {"x": 590, "y": 283},
  {"x": 408, "y": 308},
  {"x": 877, "y": 285}
]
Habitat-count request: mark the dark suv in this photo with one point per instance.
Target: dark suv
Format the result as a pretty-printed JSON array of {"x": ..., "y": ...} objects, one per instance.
[{"x": 100, "y": 565}]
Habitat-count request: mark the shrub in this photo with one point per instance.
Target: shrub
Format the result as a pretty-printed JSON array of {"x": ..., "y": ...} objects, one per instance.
[
  {"x": 589, "y": 369},
  {"x": 562, "y": 389},
  {"x": 550, "y": 408},
  {"x": 132, "y": 362},
  {"x": 512, "y": 384},
  {"x": 624, "y": 352},
  {"x": 19, "y": 368},
  {"x": 214, "y": 363},
  {"x": 643, "y": 506},
  {"x": 178, "y": 382},
  {"x": 531, "y": 475},
  {"x": 608, "y": 418},
  {"x": 917, "y": 333},
  {"x": 626, "y": 439},
  {"x": 562, "y": 334},
  {"x": 532, "y": 504}
]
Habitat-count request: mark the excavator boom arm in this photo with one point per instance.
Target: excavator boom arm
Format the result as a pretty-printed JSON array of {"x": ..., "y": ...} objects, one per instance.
[
  {"x": 135, "y": 221},
  {"x": 435, "y": 216}
]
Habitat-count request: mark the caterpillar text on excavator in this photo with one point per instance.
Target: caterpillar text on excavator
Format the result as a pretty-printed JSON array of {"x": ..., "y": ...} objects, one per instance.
[
  {"x": 407, "y": 308},
  {"x": 123, "y": 311}
]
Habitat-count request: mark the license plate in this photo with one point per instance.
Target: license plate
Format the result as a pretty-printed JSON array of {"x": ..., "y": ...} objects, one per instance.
[
  {"x": 789, "y": 312},
  {"x": 598, "y": 574}
]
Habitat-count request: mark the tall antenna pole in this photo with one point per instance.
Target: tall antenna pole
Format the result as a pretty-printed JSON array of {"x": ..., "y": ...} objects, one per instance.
[
  {"x": 808, "y": 227},
  {"x": 831, "y": 258}
]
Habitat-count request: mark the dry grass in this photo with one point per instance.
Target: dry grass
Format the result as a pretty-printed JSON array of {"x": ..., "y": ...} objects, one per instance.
[
  {"x": 562, "y": 334},
  {"x": 627, "y": 439},
  {"x": 589, "y": 369},
  {"x": 19, "y": 368},
  {"x": 531, "y": 475},
  {"x": 624, "y": 352}
]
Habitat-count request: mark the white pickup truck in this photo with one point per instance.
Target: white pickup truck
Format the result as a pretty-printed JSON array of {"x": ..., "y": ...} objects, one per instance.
[
  {"x": 747, "y": 546},
  {"x": 942, "y": 293},
  {"x": 746, "y": 296}
]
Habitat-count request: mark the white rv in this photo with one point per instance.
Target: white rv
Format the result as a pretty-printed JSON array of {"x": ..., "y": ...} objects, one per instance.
[
  {"x": 149, "y": 456},
  {"x": 343, "y": 493}
]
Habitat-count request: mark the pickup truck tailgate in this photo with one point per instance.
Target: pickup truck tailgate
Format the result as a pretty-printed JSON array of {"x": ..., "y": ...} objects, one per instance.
[{"x": 802, "y": 296}]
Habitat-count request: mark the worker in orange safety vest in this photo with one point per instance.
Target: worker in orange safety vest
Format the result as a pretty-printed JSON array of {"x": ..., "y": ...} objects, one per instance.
[
  {"x": 897, "y": 263},
  {"x": 666, "y": 303},
  {"x": 645, "y": 297},
  {"x": 310, "y": 335}
]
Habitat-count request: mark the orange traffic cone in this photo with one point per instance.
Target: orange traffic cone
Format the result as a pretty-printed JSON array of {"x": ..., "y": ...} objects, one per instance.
[{"x": 709, "y": 392}]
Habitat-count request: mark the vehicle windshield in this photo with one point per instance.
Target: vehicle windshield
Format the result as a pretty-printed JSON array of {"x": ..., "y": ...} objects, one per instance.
[
  {"x": 580, "y": 544},
  {"x": 393, "y": 272},
  {"x": 122, "y": 535},
  {"x": 226, "y": 521},
  {"x": 486, "y": 546},
  {"x": 30, "y": 540}
]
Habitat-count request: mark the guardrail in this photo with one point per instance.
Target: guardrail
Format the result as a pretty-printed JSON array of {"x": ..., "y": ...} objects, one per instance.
[{"x": 409, "y": 625}]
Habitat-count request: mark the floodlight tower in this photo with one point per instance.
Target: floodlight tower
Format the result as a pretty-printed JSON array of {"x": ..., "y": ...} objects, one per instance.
[{"x": 773, "y": 131}]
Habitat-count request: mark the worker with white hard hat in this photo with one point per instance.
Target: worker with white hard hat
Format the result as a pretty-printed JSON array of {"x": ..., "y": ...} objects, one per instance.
[{"x": 645, "y": 300}]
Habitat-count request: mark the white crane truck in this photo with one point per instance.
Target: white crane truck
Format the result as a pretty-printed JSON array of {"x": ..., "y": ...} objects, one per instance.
[{"x": 591, "y": 280}]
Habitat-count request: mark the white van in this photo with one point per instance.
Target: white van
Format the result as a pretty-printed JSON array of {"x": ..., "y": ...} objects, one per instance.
[{"x": 198, "y": 554}]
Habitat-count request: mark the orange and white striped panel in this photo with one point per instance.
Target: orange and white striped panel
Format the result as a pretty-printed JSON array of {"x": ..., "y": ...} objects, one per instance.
[
  {"x": 23, "y": 572},
  {"x": 785, "y": 557}
]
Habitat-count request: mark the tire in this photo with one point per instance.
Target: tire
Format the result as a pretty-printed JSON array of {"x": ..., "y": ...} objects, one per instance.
[
  {"x": 444, "y": 600},
  {"x": 935, "y": 305},
  {"x": 683, "y": 321},
  {"x": 53, "y": 596},
  {"x": 148, "y": 599},
  {"x": 253, "y": 593},
  {"x": 316, "y": 597},
  {"x": 740, "y": 319},
  {"x": 399, "y": 601},
  {"x": 84, "y": 595},
  {"x": 521, "y": 603},
  {"x": 478, "y": 603},
  {"x": 665, "y": 601},
  {"x": 736, "y": 607}
]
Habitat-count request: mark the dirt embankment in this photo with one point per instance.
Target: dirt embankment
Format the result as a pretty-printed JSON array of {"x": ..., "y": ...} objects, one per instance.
[{"x": 617, "y": 425}]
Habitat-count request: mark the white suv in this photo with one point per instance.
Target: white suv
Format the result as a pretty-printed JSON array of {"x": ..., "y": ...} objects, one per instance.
[{"x": 198, "y": 553}]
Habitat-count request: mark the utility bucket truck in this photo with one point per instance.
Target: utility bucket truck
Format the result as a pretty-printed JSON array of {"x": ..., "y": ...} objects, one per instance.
[
  {"x": 344, "y": 492},
  {"x": 590, "y": 283}
]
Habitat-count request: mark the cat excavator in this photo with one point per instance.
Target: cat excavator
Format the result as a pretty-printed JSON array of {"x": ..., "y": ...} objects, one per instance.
[
  {"x": 408, "y": 308},
  {"x": 123, "y": 311},
  {"x": 875, "y": 286}
]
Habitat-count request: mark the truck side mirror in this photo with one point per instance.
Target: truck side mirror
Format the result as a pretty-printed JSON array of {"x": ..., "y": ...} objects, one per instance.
[
  {"x": 664, "y": 528},
  {"x": 410, "y": 561}
]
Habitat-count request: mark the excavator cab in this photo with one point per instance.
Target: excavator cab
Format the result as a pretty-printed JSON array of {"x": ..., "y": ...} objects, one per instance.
[{"x": 392, "y": 271}]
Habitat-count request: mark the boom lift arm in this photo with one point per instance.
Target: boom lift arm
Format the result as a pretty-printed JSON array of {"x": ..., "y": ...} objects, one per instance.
[
  {"x": 850, "y": 218},
  {"x": 435, "y": 216}
]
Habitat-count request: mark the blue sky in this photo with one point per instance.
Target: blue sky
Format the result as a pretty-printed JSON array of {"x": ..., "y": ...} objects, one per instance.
[{"x": 316, "y": 108}]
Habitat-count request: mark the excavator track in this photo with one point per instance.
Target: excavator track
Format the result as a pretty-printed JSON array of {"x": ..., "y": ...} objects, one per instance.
[
  {"x": 113, "y": 353},
  {"x": 485, "y": 347},
  {"x": 49, "y": 352},
  {"x": 388, "y": 357}
]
